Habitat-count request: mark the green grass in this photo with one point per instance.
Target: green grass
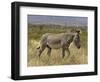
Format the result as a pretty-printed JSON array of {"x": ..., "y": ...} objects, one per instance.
[{"x": 76, "y": 57}]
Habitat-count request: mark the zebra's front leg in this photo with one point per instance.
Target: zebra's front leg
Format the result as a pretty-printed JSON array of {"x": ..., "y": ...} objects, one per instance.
[
  {"x": 63, "y": 52},
  {"x": 68, "y": 52},
  {"x": 49, "y": 51}
]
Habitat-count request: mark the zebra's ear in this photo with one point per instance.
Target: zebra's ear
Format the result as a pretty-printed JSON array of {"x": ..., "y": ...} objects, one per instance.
[{"x": 78, "y": 31}]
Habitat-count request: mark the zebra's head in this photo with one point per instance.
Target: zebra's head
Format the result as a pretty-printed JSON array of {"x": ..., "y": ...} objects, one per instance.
[{"x": 76, "y": 39}]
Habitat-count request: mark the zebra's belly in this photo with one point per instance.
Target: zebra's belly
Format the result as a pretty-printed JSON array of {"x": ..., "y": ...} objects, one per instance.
[{"x": 54, "y": 45}]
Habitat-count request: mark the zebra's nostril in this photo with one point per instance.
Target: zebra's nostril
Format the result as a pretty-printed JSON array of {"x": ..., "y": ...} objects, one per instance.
[{"x": 38, "y": 47}]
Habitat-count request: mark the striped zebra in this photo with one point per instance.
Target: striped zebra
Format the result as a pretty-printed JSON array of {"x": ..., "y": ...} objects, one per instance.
[{"x": 57, "y": 41}]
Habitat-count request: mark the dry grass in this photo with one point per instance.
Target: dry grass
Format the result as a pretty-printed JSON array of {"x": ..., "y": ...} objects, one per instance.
[{"x": 77, "y": 56}]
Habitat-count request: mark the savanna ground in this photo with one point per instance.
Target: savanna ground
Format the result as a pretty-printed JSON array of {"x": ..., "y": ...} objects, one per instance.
[{"x": 77, "y": 56}]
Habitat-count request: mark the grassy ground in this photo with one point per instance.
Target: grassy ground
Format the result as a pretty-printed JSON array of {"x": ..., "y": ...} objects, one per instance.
[{"x": 77, "y": 56}]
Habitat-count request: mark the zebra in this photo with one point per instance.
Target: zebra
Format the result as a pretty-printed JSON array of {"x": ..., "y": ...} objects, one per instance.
[{"x": 57, "y": 41}]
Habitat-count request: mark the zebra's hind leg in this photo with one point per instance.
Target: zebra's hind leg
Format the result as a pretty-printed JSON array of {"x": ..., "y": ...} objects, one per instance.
[{"x": 41, "y": 50}]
